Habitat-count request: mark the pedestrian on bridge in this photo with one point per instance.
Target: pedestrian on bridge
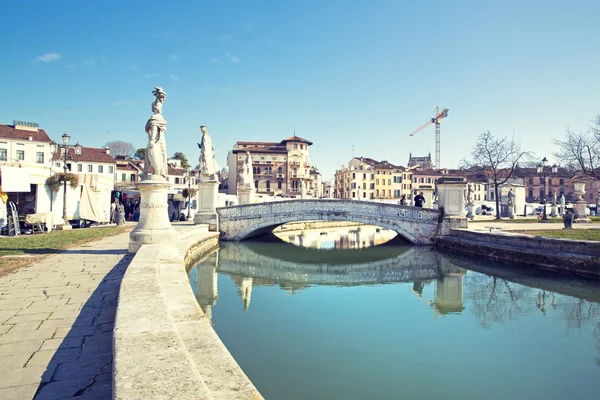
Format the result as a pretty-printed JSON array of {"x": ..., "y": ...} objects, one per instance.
[{"x": 419, "y": 200}]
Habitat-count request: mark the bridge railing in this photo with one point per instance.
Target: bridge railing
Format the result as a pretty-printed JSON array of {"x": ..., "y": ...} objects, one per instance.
[{"x": 340, "y": 207}]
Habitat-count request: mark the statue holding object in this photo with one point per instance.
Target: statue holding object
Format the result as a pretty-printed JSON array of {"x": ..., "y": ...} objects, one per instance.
[
  {"x": 208, "y": 163},
  {"x": 156, "y": 151}
]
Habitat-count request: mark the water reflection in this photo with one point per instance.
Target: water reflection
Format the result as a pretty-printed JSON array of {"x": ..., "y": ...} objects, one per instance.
[
  {"x": 351, "y": 237},
  {"x": 374, "y": 306}
]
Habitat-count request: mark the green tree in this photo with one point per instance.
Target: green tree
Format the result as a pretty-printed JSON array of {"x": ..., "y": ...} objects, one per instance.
[
  {"x": 140, "y": 154},
  {"x": 180, "y": 156}
]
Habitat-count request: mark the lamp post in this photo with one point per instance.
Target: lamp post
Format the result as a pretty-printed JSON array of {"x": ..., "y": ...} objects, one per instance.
[
  {"x": 544, "y": 171},
  {"x": 189, "y": 176},
  {"x": 64, "y": 148}
]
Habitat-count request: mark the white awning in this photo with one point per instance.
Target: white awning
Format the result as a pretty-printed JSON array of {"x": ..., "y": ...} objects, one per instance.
[{"x": 15, "y": 179}]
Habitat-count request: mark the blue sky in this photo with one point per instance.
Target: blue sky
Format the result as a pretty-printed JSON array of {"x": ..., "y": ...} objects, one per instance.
[{"x": 346, "y": 74}]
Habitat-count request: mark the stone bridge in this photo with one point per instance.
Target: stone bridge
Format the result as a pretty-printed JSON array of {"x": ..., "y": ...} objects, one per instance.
[{"x": 417, "y": 225}]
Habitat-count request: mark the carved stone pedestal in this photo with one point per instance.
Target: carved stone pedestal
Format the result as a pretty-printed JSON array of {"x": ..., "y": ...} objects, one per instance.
[
  {"x": 154, "y": 226},
  {"x": 207, "y": 204},
  {"x": 553, "y": 213},
  {"x": 580, "y": 206},
  {"x": 470, "y": 214},
  {"x": 246, "y": 195}
]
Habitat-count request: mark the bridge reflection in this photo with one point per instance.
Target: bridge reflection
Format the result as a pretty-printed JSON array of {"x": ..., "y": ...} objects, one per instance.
[
  {"x": 249, "y": 265},
  {"x": 351, "y": 237}
]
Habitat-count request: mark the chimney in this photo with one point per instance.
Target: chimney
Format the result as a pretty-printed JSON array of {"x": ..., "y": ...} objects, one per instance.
[
  {"x": 30, "y": 137},
  {"x": 107, "y": 150}
]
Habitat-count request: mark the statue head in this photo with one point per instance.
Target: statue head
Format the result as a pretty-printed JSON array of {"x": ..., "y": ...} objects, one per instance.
[{"x": 203, "y": 129}]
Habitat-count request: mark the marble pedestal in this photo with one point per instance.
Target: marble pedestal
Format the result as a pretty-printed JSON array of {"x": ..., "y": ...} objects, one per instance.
[
  {"x": 511, "y": 211},
  {"x": 553, "y": 213},
  {"x": 579, "y": 209},
  {"x": 154, "y": 226},
  {"x": 470, "y": 214},
  {"x": 207, "y": 204},
  {"x": 246, "y": 195}
]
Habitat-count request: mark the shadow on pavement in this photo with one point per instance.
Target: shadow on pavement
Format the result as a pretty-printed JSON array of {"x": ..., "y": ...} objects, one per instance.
[{"x": 81, "y": 367}]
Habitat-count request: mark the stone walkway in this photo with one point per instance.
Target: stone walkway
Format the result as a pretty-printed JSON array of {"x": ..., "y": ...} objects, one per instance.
[{"x": 56, "y": 323}]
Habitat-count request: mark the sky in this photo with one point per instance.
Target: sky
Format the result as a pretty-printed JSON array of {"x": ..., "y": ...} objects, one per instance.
[{"x": 354, "y": 77}]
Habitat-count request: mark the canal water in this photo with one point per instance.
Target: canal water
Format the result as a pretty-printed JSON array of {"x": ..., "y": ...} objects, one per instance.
[{"x": 326, "y": 314}]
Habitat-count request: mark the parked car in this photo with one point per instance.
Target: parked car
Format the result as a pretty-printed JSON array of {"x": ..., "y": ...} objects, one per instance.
[{"x": 485, "y": 210}]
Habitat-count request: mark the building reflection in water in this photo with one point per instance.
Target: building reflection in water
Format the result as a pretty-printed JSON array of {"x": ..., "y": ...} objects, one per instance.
[
  {"x": 353, "y": 237},
  {"x": 248, "y": 268}
]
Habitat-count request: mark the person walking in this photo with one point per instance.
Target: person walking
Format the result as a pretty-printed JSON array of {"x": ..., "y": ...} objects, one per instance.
[
  {"x": 419, "y": 200},
  {"x": 403, "y": 200}
]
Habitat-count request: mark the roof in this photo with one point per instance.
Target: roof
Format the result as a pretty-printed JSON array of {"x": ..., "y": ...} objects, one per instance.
[
  {"x": 296, "y": 139},
  {"x": 261, "y": 144},
  {"x": 427, "y": 172},
  {"x": 367, "y": 160},
  {"x": 9, "y": 132},
  {"x": 387, "y": 165},
  {"x": 90, "y": 154},
  {"x": 176, "y": 171}
]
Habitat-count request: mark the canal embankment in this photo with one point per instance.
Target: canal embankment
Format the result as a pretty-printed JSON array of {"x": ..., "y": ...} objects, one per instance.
[
  {"x": 581, "y": 257},
  {"x": 164, "y": 346}
]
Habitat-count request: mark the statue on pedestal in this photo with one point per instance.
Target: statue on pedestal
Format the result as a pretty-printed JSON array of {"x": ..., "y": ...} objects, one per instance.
[
  {"x": 208, "y": 163},
  {"x": 156, "y": 151},
  {"x": 246, "y": 177},
  {"x": 553, "y": 212},
  {"x": 302, "y": 189},
  {"x": 510, "y": 197},
  {"x": 562, "y": 204},
  {"x": 511, "y": 204},
  {"x": 469, "y": 193}
]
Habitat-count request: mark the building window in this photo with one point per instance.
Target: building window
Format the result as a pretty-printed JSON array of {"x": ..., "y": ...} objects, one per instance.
[
  {"x": 279, "y": 170},
  {"x": 3, "y": 154},
  {"x": 278, "y": 184},
  {"x": 549, "y": 182},
  {"x": 176, "y": 180},
  {"x": 389, "y": 182},
  {"x": 353, "y": 195},
  {"x": 111, "y": 169},
  {"x": 353, "y": 175},
  {"x": 268, "y": 186},
  {"x": 295, "y": 146},
  {"x": 377, "y": 181},
  {"x": 562, "y": 182},
  {"x": 39, "y": 157},
  {"x": 531, "y": 193},
  {"x": 79, "y": 167},
  {"x": 57, "y": 164},
  {"x": 364, "y": 176},
  {"x": 132, "y": 177},
  {"x": 90, "y": 168},
  {"x": 21, "y": 155},
  {"x": 100, "y": 169},
  {"x": 255, "y": 184},
  {"x": 123, "y": 177}
]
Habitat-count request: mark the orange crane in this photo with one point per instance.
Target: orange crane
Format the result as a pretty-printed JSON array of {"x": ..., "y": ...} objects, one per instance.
[{"x": 435, "y": 120}]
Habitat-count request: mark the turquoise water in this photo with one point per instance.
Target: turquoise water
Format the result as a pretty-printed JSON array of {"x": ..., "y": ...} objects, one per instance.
[{"x": 397, "y": 322}]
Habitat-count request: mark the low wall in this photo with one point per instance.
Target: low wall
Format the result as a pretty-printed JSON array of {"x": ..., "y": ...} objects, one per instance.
[
  {"x": 164, "y": 346},
  {"x": 579, "y": 257}
]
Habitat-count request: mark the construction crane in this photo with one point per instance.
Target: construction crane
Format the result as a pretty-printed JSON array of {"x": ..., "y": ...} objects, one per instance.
[{"x": 435, "y": 120}]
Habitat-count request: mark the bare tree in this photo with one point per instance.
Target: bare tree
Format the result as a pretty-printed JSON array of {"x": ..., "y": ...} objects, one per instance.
[
  {"x": 582, "y": 149},
  {"x": 496, "y": 159},
  {"x": 120, "y": 148}
]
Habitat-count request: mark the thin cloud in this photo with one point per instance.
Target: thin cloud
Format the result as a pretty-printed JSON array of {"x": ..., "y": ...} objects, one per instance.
[
  {"x": 224, "y": 38},
  {"x": 214, "y": 60},
  {"x": 49, "y": 57},
  {"x": 175, "y": 78},
  {"x": 235, "y": 59},
  {"x": 90, "y": 61},
  {"x": 174, "y": 57},
  {"x": 148, "y": 76},
  {"x": 163, "y": 34}
]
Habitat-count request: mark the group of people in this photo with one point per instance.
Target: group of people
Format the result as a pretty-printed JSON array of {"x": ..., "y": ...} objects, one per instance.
[{"x": 419, "y": 200}]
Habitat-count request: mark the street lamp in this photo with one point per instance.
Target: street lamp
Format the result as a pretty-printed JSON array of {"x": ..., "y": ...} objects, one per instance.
[
  {"x": 189, "y": 176},
  {"x": 544, "y": 171},
  {"x": 64, "y": 148}
]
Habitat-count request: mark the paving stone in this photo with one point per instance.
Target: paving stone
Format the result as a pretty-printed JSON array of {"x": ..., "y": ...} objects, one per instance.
[
  {"x": 64, "y": 389},
  {"x": 31, "y": 317},
  {"x": 26, "y": 376},
  {"x": 26, "y": 326},
  {"x": 75, "y": 331},
  {"x": 14, "y": 361},
  {"x": 5, "y": 328},
  {"x": 54, "y": 356},
  {"x": 84, "y": 367},
  {"x": 62, "y": 343},
  {"x": 15, "y": 337},
  {"x": 18, "y": 393},
  {"x": 36, "y": 308},
  {"x": 97, "y": 345},
  {"x": 25, "y": 346}
]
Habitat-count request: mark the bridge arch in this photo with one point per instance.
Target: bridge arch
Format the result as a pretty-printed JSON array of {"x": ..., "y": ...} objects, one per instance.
[{"x": 417, "y": 225}]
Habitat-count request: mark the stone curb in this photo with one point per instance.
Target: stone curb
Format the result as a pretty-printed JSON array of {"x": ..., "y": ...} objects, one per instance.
[{"x": 164, "y": 347}]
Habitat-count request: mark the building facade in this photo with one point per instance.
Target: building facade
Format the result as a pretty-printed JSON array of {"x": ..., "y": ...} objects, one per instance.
[{"x": 278, "y": 168}]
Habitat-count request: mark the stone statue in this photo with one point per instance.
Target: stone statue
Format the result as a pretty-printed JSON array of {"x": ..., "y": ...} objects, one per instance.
[
  {"x": 469, "y": 193},
  {"x": 510, "y": 197},
  {"x": 156, "y": 151},
  {"x": 302, "y": 188},
  {"x": 246, "y": 176},
  {"x": 554, "y": 197},
  {"x": 208, "y": 163},
  {"x": 562, "y": 204}
]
